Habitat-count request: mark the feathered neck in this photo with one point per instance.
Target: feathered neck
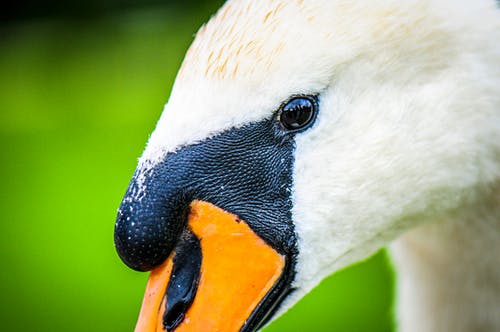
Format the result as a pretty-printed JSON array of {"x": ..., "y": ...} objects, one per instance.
[{"x": 448, "y": 271}]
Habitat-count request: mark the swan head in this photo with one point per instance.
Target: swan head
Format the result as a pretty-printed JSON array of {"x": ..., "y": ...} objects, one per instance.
[{"x": 404, "y": 129}]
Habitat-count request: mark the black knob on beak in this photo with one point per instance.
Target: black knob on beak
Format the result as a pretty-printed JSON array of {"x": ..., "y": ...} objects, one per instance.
[
  {"x": 246, "y": 171},
  {"x": 148, "y": 223}
]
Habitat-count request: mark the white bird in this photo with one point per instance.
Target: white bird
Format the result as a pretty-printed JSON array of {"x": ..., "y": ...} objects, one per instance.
[{"x": 385, "y": 117}]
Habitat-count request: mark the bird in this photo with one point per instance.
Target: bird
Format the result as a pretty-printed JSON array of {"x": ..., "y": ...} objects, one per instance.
[{"x": 304, "y": 136}]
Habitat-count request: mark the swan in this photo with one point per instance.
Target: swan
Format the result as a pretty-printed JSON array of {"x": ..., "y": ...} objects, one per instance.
[{"x": 326, "y": 129}]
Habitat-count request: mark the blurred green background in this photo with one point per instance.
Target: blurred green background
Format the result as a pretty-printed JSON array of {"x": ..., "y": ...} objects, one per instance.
[{"x": 81, "y": 87}]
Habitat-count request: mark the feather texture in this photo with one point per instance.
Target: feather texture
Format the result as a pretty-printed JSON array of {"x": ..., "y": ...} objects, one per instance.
[{"x": 408, "y": 135}]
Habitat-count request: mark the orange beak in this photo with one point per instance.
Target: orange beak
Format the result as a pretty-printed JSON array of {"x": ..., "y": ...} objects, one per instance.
[{"x": 238, "y": 272}]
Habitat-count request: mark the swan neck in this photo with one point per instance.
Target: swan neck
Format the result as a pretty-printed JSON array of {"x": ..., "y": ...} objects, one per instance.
[{"x": 448, "y": 271}]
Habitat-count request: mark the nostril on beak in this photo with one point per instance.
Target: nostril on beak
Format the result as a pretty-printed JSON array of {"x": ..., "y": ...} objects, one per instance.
[{"x": 183, "y": 284}]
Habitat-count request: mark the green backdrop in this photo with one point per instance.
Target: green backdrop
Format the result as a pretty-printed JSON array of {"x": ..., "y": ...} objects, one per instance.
[{"x": 78, "y": 99}]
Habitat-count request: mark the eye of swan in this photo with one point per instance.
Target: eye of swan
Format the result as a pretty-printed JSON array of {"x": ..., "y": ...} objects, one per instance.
[{"x": 298, "y": 113}]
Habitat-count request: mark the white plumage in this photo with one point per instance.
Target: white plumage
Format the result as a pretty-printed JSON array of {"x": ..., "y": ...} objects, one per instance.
[{"x": 407, "y": 139}]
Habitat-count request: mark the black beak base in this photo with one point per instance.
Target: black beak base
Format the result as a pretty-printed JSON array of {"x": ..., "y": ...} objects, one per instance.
[{"x": 246, "y": 171}]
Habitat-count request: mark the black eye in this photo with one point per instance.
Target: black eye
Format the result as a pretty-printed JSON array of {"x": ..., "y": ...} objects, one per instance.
[{"x": 298, "y": 113}]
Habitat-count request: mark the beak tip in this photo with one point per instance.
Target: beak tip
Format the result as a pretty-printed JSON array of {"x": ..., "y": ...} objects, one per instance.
[{"x": 196, "y": 287}]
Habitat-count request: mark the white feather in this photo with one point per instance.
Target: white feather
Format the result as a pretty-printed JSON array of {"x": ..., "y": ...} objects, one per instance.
[{"x": 408, "y": 133}]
